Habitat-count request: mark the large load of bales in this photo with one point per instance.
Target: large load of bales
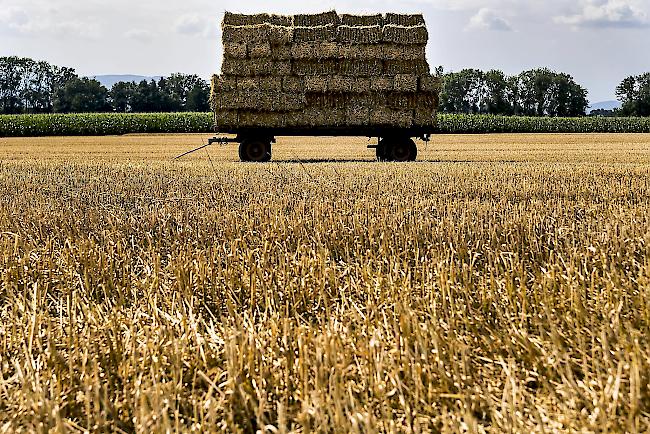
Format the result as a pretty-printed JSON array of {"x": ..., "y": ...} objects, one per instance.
[{"x": 325, "y": 71}]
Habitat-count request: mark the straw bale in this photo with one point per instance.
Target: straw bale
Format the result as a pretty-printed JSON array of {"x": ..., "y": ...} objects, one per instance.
[
  {"x": 314, "y": 20},
  {"x": 235, "y": 50},
  {"x": 405, "y": 35},
  {"x": 311, "y": 34},
  {"x": 403, "y": 52},
  {"x": 385, "y": 116},
  {"x": 429, "y": 83},
  {"x": 350, "y": 85},
  {"x": 382, "y": 84},
  {"x": 281, "y": 52},
  {"x": 404, "y": 19},
  {"x": 357, "y": 115},
  {"x": 425, "y": 117},
  {"x": 320, "y": 117},
  {"x": 317, "y": 83},
  {"x": 270, "y": 82},
  {"x": 417, "y": 67},
  {"x": 293, "y": 84},
  {"x": 315, "y": 50},
  {"x": 362, "y": 20},
  {"x": 255, "y": 100},
  {"x": 330, "y": 100},
  {"x": 360, "y": 51},
  {"x": 263, "y": 119},
  {"x": 359, "y": 35},
  {"x": 260, "y": 49},
  {"x": 255, "y": 67},
  {"x": 248, "y": 20},
  {"x": 248, "y": 83},
  {"x": 427, "y": 100},
  {"x": 225, "y": 84},
  {"x": 406, "y": 83},
  {"x": 279, "y": 35},
  {"x": 245, "y": 34},
  {"x": 226, "y": 119},
  {"x": 315, "y": 67},
  {"x": 402, "y": 101},
  {"x": 361, "y": 68}
]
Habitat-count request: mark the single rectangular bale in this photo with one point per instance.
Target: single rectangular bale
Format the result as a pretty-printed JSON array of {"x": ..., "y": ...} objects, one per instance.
[
  {"x": 360, "y": 51},
  {"x": 260, "y": 49},
  {"x": 248, "y": 84},
  {"x": 315, "y": 50},
  {"x": 359, "y": 35},
  {"x": 235, "y": 50},
  {"x": 387, "y": 117},
  {"x": 357, "y": 115},
  {"x": 361, "y": 68},
  {"x": 314, "y": 34},
  {"x": 281, "y": 52},
  {"x": 362, "y": 20},
  {"x": 314, "y": 67},
  {"x": 233, "y": 19},
  {"x": 425, "y": 117},
  {"x": 255, "y": 100},
  {"x": 417, "y": 67},
  {"x": 402, "y": 101},
  {"x": 263, "y": 119},
  {"x": 404, "y": 19},
  {"x": 255, "y": 67},
  {"x": 293, "y": 84},
  {"x": 340, "y": 83},
  {"x": 226, "y": 119},
  {"x": 270, "y": 83},
  {"x": 405, "y": 83},
  {"x": 405, "y": 35},
  {"x": 429, "y": 83},
  {"x": 223, "y": 84},
  {"x": 279, "y": 35},
  {"x": 323, "y": 117},
  {"x": 330, "y": 18},
  {"x": 427, "y": 99},
  {"x": 245, "y": 34},
  {"x": 328, "y": 100},
  {"x": 317, "y": 83},
  {"x": 382, "y": 84},
  {"x": 403, "y": 52}
]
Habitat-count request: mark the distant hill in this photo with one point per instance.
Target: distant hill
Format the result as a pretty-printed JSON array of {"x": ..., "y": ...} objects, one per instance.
[
  {"x": 109, "y": 80},
  {"x": 604, "y": 105}
]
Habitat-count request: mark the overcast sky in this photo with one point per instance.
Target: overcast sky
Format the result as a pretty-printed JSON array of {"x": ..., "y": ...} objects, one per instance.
[{"x": 599, "y": 42}]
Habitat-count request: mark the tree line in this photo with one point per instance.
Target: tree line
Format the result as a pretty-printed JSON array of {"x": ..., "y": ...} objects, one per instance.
[{"x": 29, "y": 86}]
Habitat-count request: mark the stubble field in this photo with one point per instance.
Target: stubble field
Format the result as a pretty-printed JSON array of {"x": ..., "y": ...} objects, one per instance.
[{"x": 500, "y": 284}]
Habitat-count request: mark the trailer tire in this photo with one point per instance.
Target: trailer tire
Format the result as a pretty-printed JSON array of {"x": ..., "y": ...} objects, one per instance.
[
  {"x": 401, "y": 149},
  {"x": 255, "y": 150}
]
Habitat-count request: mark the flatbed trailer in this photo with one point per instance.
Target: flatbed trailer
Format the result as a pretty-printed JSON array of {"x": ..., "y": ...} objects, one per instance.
[{"x": 393, "y": 144}]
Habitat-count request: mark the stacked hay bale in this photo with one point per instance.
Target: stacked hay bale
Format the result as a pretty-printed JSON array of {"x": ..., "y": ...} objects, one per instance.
[{"x": 324, "y": 71}]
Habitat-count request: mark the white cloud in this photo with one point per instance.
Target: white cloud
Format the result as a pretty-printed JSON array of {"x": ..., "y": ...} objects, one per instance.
[
  {"x": 606, "y": 13},
  {"x": 194, "y": 25},
  {"x": 19, "y": 21},
  {"x": 139, "y": 35},
  {"x": 487, "y": 19}
]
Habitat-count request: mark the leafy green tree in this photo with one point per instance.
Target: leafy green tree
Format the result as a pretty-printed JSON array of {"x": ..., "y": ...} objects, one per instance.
[
  {"x": 198, "y": 99},
  {"x": 82, "y": 95},
  {"x": 634, "y": 93},
  {"x": 121, "y": 96}
]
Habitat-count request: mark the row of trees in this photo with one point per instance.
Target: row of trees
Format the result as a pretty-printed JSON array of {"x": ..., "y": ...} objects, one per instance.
[
  {"x": 28, "y": 86},
  {"x": 538, "y": 92}
]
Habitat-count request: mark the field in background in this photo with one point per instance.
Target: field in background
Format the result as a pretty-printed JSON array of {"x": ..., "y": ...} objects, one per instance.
[
  {"x": 500, "y": 284},
  {"x": 138, "y": 123}
]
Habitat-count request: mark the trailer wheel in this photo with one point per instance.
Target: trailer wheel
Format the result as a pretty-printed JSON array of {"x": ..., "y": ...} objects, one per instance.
[
  {"x": 401, "y": 149},
  {"x": 255, "y": 150}
]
